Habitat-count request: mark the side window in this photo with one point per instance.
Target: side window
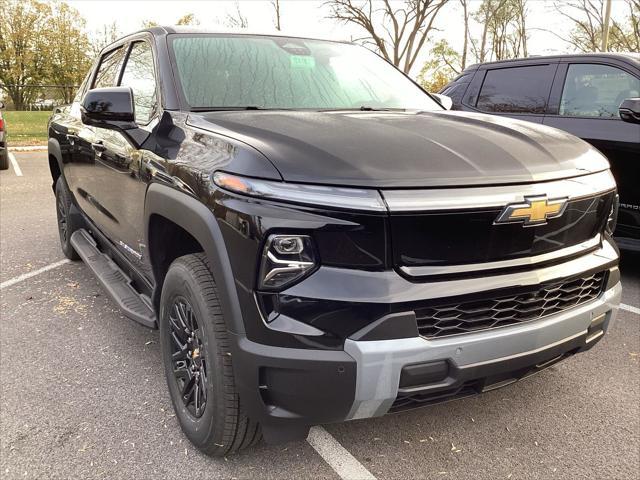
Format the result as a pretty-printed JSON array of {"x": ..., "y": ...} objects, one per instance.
[
  {"x": 107, "y": 75},
  {"x": 592, "y": 90},
  {"x": 139, "y": 74},
  {"x": 82, "y": 89},
  {"x": 516, "y": 89}
]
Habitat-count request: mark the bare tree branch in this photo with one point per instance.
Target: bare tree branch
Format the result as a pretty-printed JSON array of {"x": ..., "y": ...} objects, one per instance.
[{"x": 397, "y": 30}]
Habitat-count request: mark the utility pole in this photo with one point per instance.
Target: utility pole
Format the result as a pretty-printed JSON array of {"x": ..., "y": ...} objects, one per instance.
[{"x": 605, "y": 26}]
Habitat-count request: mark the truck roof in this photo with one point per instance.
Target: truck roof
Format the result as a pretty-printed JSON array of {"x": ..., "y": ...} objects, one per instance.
[
  {"x": 164, "y": 30},
  {"x": 625, "y": 56}
]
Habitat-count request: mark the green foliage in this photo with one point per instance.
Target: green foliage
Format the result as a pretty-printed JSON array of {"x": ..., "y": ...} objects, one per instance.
[
  {"x": 41, "y": 43},
  {"x": 444, "y": 64},
  {"x": 68, "y": 50},
  {"x": 22, "y": 48}
]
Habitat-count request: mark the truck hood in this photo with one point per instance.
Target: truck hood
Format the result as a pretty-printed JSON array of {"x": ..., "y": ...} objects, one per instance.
[{"x": 405, "y": 149}]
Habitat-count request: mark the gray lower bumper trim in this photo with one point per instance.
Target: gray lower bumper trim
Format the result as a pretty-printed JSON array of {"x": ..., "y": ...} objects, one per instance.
[{"x": 380, "y": 362}]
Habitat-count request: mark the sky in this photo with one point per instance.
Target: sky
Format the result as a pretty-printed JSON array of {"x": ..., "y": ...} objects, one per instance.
[{"x": 308, "y": 18}]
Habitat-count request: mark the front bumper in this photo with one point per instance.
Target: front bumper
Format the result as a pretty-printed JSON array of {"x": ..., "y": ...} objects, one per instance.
[
  {"x": 289, "y": 389},
  {"x": 474, "y": 357}
]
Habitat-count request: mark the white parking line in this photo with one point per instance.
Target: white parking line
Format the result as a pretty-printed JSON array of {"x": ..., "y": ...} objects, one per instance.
[
  {"x": 336, "y": 456},
  {"x": 14, "y": 163},
  {"x": 630, "y": 308},
  {"x": 33, "y": 273}
]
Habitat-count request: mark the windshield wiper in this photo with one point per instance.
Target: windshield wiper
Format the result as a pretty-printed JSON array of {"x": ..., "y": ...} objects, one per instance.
[
  {"x": 364, "y": 108},
  {"x": 223, "y": 109}
]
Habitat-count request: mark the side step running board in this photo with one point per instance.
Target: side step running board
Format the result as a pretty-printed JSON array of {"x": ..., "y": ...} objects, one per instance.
[{"x": 118, "y": 285}]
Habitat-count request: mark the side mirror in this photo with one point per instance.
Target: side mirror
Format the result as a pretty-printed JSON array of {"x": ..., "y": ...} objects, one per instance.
[
  {"x": 110, "y": 108},
  {"x": 445, "y": 101},
  {"x": 629, "y": 110}
]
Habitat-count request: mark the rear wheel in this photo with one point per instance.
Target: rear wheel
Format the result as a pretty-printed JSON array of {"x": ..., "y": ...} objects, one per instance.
[
  {"x": 67, "y": 223},
  {"x": 197, "y": 361}
]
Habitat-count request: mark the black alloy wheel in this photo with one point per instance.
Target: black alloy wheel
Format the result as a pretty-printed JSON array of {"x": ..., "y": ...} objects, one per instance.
[{"x": 188, "y": 357}]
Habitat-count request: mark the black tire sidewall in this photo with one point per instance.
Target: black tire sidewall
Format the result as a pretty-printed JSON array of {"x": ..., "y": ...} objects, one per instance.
[
  {"x": 209, "y": 428},
  {"x": 64, "y": 197},
  {"x": 4, "y": 160}
]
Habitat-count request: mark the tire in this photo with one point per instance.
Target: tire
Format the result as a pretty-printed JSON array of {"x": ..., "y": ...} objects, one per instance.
[
  {"x": 4, "y": 159},
  {"x": 215, "y": 423},
  {"x": 67, "y": 222}
]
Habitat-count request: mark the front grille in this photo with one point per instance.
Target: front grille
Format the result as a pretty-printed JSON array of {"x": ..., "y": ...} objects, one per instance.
[
  {"x": 462, "y": 237},
  {"x": 473, "y": 316}
]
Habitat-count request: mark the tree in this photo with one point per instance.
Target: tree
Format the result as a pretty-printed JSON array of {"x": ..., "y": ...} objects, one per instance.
[
  {"x": 397, "y": 31},
  {"x": 586, "y": 18},
  {"x": 467, "y": 34},
  {"x": 68, "y": 58},
  {"x": 188, "y": 19},
  {"x": 276, "y": 9},
  {"x": 23, "y": 49},
  {"x": 236, "y": 19},
  {"x": 626, "y": 37},
  {"x": 504, "y": 33},
  {"x": 444, "y": 64},
  {"x": 103, "y": 37}
]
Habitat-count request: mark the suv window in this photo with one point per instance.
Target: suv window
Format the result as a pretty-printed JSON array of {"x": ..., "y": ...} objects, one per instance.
[
  {"x": 139, "y": 74},
  {"x": 107, "y": 75},
  {"x": 592, "y": 90},
  {"x": 516, "y": 89}
]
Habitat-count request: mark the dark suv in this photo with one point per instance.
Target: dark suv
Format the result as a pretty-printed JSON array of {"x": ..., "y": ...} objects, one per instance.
[
  {"x": 317, "y": 239},
  {"x": 593, "y": 96}
]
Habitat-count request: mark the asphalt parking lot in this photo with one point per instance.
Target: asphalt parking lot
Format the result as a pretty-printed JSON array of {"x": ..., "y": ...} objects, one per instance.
[{"x": 83, "y": 392}]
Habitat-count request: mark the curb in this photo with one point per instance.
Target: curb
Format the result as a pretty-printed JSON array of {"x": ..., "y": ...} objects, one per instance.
[{"x": 29, "y": 148}]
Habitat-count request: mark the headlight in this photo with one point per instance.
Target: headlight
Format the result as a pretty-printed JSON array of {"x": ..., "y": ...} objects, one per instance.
[
  {"x": 613, "y": 215},
  {"x": 286, "y": 259},
  {"x": 317, "y": 195}
]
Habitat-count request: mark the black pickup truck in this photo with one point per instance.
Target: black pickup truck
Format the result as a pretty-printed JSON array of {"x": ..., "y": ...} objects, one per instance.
[
  {"x": 594, "y": 96},
  {"x": 317, "y": 238}
]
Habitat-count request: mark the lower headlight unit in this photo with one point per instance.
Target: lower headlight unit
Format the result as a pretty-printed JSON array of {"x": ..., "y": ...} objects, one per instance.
[
  {"x": 613, "y": 215},
  {"x": 286, "y": 259}
]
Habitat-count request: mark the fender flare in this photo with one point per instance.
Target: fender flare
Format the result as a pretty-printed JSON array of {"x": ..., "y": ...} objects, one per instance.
[
  {"x": 53, "y": 148},
  {"x": 194, "y": 217}
]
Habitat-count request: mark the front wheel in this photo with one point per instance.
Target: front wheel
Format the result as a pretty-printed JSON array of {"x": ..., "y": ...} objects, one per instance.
[
  {"x": 67, "y": 222},
  {"x": 197, "y": 361}
]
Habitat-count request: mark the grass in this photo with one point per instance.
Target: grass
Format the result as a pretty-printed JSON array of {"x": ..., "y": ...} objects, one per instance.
[{"x": 26, "y": 128}]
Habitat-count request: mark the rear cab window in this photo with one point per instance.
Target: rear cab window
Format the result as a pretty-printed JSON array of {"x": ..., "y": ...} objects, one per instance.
[{"x": 522, "y": 89}]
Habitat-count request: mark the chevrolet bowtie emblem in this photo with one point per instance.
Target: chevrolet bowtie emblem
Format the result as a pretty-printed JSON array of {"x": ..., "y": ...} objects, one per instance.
[{"x": 534, "y": 211}]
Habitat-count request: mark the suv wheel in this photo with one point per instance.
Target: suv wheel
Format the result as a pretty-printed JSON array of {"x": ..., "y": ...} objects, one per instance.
[
  {"x": 67, "y": 223},
  {"x": 197, "y": 361}
]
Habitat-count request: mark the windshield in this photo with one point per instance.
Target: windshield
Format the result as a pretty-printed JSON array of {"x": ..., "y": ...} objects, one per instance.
[{"x": 227, "y": 71}]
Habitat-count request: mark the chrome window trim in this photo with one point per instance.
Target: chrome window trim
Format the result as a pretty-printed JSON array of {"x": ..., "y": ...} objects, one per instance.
[
  {"x": 423, "y": 271},
  {"x": 474, "y": 198}
]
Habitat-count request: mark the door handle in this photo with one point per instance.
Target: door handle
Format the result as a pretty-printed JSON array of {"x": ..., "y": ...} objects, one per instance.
[{"x": 98, "y": 146}]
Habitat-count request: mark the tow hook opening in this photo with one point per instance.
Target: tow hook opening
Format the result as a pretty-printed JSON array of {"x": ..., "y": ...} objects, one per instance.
[{"x": 596, "y": 329}]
